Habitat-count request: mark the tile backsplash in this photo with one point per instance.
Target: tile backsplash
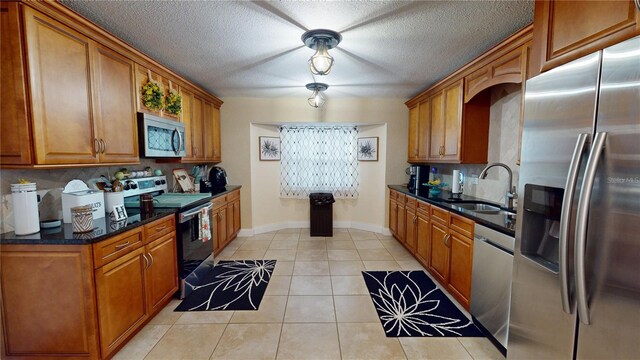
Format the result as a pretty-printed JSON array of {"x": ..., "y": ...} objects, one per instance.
[{"x": 51, "y": 181}]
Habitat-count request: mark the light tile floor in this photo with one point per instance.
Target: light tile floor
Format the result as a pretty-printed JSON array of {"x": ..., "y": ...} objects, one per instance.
[{"x": 316, "y": 307}]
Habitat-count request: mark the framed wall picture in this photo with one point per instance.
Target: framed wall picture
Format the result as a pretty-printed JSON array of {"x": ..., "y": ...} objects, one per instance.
[
  {"x": 368, "y": 149},
  {"x": 269, "y": 148}
]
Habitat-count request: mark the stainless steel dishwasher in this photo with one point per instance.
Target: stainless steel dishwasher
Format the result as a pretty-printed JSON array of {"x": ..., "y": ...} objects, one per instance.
[{"x": 491, "y": 282}]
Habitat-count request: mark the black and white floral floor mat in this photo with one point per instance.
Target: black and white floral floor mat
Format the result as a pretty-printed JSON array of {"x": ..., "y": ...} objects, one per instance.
[
  {"x": 231, "y": 285},
  {"x": 408, "y": 303}
]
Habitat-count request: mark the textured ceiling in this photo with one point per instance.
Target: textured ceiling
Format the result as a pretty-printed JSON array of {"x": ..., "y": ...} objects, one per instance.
[{"x": 253, "y": 48}]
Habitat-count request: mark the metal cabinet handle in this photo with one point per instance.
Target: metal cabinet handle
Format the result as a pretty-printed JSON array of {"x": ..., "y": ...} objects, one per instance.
[
  {"x": 160, "y": 228},
  {"x": 96, "y": 145},
  {"x": 565, "y": 220},
  {"x": 146, "y": 261},
  {"x": 120, "y": 246},
  {"x": 582, "y": 216},
  {"x": 415, "y": 218},
  {"x": 637, "y": 2},
  {"x": 103, "y": 145},
  {"x": 151, "y": 258}
]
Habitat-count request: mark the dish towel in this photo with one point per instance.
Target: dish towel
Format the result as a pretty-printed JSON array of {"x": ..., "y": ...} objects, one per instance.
[{"x": 205, "y": 226}]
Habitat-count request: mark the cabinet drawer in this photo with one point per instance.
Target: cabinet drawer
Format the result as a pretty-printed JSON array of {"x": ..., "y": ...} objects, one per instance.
[
  {"x": 219, "y": 201},
  {"x": 158, "y": 228},
  {"x": 411, "y": 202},
  {"x": 462, "y": 225},
  {"x": 423, "y": 208},
  {"x": 108, "y": 250},
  {"x": 439, "y": 215}
]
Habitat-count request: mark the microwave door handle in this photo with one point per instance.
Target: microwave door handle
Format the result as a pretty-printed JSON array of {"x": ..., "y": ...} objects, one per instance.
[
  {"x": 565, "y": 220},
  {"x": 179, "y": 142},
  {"x": 176, "y": 150},
  {"x": 582, "y": 216}
]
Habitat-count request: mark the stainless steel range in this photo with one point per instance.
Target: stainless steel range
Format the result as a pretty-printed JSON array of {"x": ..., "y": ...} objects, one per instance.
[{"x": 192, "y": 213}]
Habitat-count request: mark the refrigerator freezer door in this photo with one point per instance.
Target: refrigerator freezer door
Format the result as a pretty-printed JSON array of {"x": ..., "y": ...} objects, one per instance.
[
  {"x": 559, "y": 106},
  {"x": 613, "y": 243}
]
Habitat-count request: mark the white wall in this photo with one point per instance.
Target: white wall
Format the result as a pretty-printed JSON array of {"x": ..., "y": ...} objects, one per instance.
[{"x": 262, "y": 208}]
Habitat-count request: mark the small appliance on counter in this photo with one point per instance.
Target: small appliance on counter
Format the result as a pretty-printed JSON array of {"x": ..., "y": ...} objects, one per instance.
[
  {"x": 413, "y": 172},
  {"x": 77, "y": 193},
  {"x": 217, "y": 177},
  {"x": 456, "y": 183}
]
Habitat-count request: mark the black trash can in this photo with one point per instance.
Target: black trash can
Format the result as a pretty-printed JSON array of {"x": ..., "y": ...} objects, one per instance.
[{"x": 321, "y": 217}]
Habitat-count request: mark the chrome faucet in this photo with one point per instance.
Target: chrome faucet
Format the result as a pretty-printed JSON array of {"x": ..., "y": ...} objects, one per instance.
[{"x": 511, "y": 192}]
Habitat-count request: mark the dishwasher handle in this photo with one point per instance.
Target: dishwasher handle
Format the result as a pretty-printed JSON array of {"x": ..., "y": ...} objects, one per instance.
[{"x": 493, "y": 243}]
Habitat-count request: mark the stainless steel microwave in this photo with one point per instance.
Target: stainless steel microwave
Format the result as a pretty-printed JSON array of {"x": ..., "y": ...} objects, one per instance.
[{"x": 160, "y": 137}]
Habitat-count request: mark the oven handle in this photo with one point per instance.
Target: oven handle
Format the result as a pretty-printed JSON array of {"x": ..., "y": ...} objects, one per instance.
[{"x": 186, "y": 216}]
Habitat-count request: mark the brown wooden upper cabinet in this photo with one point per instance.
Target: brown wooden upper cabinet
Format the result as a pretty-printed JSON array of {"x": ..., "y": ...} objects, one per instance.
[
  {"x": 15, "y": 135},
  {"x": 82, "y": 109},
  {"x": 567, "y": 30},
  {"x": 449, "y": 123},
  {"x": 142, "y": 77}
]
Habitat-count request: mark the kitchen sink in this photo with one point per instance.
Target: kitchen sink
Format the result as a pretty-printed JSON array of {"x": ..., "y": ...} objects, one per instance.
[{"x": 479, "y": 207}]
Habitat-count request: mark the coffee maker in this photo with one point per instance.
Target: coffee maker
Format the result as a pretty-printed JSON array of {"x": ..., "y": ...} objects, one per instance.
[
  {"x": 412, "y": 171},
  {"x": 217, "y": 177}
]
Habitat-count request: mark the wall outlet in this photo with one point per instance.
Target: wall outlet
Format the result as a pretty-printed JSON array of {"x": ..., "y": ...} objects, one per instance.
[{"x": 474, "y": 179}]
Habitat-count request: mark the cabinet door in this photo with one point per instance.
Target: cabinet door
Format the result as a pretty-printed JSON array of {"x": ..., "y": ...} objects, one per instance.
[
  {"x": 460, "y": 267},
  {"x": 197, "y": 129},
  {"x": 393, "y": 216},
  {"x": 568, "y": 30},
  {"x": 439, "y": 261},
  {"x": 187, "y": 119},
  {"x": 63, "y": 124},
  {"x": 424, "y": 129},
  {"x": 402, "y": 229},
  {"x": 222, "y": 226},
  {"x": 114, "y": 105},
  {"x": 216, "y": 138},
  {"x": 453, "y": 121},
  {"x": 423, "y": 237},
  {"x": 15, "y": 136},
  {"x": 411, "y": 228},
  {"x": 236, "y": 217},
  {"x": 414, "y": 116},
  {"x": 229, "y": 215},
  {"x": 162, "y": 273},
  {"x": 142, "y": 77},
  {"x": 436, "y": 136},
  {"x": 122, "y": 301},
  {"x": 207, "y": 120}
]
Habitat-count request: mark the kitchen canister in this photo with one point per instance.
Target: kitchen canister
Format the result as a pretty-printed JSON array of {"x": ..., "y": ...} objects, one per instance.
[
  {"x": 82, "y": 218},
  {"x": 112, "y": 199},
  {"x": 25, "y": 209}
]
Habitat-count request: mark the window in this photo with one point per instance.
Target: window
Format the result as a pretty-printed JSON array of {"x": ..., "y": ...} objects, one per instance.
[{"x": 318, "y": 158}]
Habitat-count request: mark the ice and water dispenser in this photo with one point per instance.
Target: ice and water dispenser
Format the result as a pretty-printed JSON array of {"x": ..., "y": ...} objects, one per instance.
[{"x": 541, "y": 225}]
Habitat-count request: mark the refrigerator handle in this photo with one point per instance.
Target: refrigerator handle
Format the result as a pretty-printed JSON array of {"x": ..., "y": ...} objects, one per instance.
[
  {"x": 582, "y": 216},
  {"x": 565, "y": 220}
]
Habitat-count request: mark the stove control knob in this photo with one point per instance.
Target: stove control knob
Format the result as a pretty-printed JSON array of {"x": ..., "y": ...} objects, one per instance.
[
  {"x": 158, "y": 182},
  {"x": 134, "y": 186},
  {"x": 163, "y": 181},
  {"x": 126, "y": 187}
]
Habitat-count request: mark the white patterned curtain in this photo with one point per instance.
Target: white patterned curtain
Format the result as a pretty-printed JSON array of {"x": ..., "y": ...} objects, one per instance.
[{"x": 319, "y": 158}]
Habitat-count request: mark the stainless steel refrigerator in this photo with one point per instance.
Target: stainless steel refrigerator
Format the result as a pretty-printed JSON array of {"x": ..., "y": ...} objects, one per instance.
[{"x": 576, "y": 277}]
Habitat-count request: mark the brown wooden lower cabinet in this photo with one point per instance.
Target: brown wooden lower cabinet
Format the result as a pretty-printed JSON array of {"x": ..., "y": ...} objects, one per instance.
[
  {"x": 439, "y": 260},
  {"x": 85, "y": 301},
  {"x": 121, "y": 295},
  {"x": 226, "y": 219},
  {"x": 441, "y": 241}
]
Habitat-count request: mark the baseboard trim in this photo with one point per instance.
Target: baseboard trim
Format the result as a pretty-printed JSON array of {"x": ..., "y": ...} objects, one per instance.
[{"x": 305, "y": 225}]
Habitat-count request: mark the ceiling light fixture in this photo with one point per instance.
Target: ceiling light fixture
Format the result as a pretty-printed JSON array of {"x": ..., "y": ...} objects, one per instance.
[
  {"x": 318, "y": 97},
  {"x": 321, "y": 40}
]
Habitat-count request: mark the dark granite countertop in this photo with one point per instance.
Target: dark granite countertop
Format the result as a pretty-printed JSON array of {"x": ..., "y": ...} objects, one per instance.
[
  {"x": 499, "y": 222},
  {"x": 225, "y": 190},
  {"x": 103, "y": 228}
]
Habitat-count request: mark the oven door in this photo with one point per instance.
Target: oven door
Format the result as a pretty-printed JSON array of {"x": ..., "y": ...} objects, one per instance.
[{"x": 195, "y": 245}]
